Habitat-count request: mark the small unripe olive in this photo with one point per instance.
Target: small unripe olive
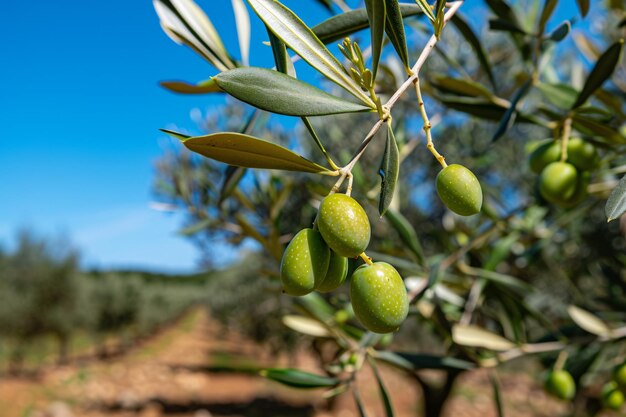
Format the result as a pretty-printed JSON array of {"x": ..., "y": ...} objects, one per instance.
[
  {"x": 544, "y": 154},
  {"x": 336, "y": 275},
  {"x": 619, "y": 376},
  {"x": 612, "y": 397},
  {"x": 305, "y": 262},
  {"x": 344, "y": 225},
  {"x": 561, "y": 385},
  {"x": 580, "y": 193},
  {"x": 379, "y": 297},
  {"x": 582, "y": 154},
  {"x": 557, "y": 182},
  {"x": 459, "y": 190}
]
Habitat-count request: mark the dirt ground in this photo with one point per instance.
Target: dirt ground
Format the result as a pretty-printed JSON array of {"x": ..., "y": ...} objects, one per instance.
[{"x": 164, "y": 377}]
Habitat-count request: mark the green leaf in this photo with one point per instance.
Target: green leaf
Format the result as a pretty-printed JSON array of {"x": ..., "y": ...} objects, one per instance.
[
  {"x": 298, "y": 379},
  {"x": 345, "y": 24},
  {"x": 384, "y": 395},
  {"x": 502, "y": 25},
  {"x": 279, "y": 93},
  {"x": 357, "y": 401},
  {"x": 195, "y": 228},
  {"x": 388, "y": 171},
  {"x": 475, "y": 43},
  {"x": 587, "y": 321},
  {"x": 407, "y": 233},
  {"x": 185, "y": 23},
  {"x": 247, "y": 151},
  {"x": 497, "y": 397},
  {"x": 242, "y": 20},
  {"x": 562, "y": 96},
  {"x": 546, "y": 12},
  {"x": 592, "y": 127},
  {"x": 485, "y": 110},
  {"x": 583, "y": 7},
  {"x": 461, "y": 87},
  {"x": 413, "y": 362},
  {"x": 423, "y": 4},
  {"x": 232, "y": 177},
  {"x": 603, "y": 69},
  {"x": 376, "y": 15},
  {"x": 439, "y": 17},
  {"x": 616, "y": 204},
  {"x": 509, "y": 116},
  {"x": 182, "y": 87},
  {"x": 288, "y": 27},
  {"x": 281, "y": 57},
  {"x": 395, "y": 31},
  {"x": 305, "y": 325},
  {"x": 503, "y": 11},
  {"x": 477, "y": 337},
  {"x": 560, "y": 32}
]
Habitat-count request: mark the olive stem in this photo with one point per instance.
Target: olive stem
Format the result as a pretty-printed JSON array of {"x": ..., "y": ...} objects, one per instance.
[
  {"x": 366, "y": 258},
  {"x": 427, "y": 125},
  {"x": 567, "y": 130},
  {"x": 560, "y": 360}
]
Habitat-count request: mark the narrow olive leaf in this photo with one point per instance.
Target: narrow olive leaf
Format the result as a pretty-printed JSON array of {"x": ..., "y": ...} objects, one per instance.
[
  {"x": 461, "y": 87},
  {"x": 395, "y": 31},
  {"x": 195, "y": 228},
  {"x": 546, "y": 12},
  {"x": 281, "y": 57},
  {"x": 185, "y": 23},
  {"x": 376, "y": 14},
  {"x": 279, "y": 93},
  {"x": 388, "y": 171},
  {"x": 242, "y": 20},
  {"x": 604, "y": 68},
  {"x": 179, "y": 136},
  {"x": 305, "y": 325},
  {"x": 503, "y": 10},
  {"x": 423, "y": 4},
  {"x": 616, "y": 204},
  {"x": 477, "y": 337},
  {"x": 558, "y": 34},
  {"x": 476, "y": 44},
  {"x": 439, "y": 17},
  {"x": 414, "y": 362},
  {"x": 182, "y": 87},
  {"x": 587, "y": 321},
  {"x": 232, "y": 178},
  {"x": 592, "y": 127},
  {"x": 562, "y": 96},
  {"x": 508, "y": 118},
  {"x": 315, "y": 305},
  {"x": 502, "y": 25},
  {"x": 486, "y": 110},
  {"x": 497, "y": 397},
  {"x": 345, "y": 24},
  {"x": 583, "y": 7},
  {"x": 247, "y": 151},
  {"x": 298, "y": 379},
  {"x": 358, "y": 402},
  {"x": 297, "y": 35},
  {"x": 407, "y": 233},
  {"x": 384, "y": 395}
]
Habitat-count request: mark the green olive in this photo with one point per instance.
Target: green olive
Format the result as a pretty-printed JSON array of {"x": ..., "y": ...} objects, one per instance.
[
  {"x": 544, "y": 154},
  {"x": 561, "y": 385},
  {"x": 557, "y": 182},
  {"x": 619, "y": 376},
  {"x": 336, "y": 275},
  {"x": 612, "y": 397},
  {"x": 582, "y": 154},
  {"x": 305, "y": 262},
  {"x": 459, "y": 190},
  {"x": 580, "y": 194},
  {"x": 344, "y": 225},
  {"x": 379, "y": 297}
]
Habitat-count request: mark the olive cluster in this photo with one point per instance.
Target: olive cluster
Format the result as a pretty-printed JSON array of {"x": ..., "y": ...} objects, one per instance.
[
  {"x": 560, "y": 383},
  {"x": 317, "y": 259},
  {"x": 564, "y": 183}
]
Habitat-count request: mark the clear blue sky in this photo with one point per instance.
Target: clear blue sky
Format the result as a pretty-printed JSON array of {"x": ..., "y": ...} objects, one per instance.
[{"x": 80, "y": 110}]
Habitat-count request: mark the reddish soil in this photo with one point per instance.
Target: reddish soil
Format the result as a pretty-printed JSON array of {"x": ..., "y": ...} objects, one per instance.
[{"x": 163, "y": 377}]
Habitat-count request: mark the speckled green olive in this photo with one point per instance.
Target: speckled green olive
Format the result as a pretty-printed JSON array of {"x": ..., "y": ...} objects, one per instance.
[
  {"x": 558, "y": 181},
  {"x": 582, "y": 154},
  {"x": 561, "y": 385},
  {"x": 344, "y": 225},
  {"x": 612, "y": 397},
  {"x": 619, "y": 376},
  {"x": 336, "y": 275},
  {"x": 544, "y": 154},
  {"x": 459, "y": 190},
  {"x": 580, "y": 193},
  {"x": 379, "y": 297},
  {"x": 305, "y": 262}
]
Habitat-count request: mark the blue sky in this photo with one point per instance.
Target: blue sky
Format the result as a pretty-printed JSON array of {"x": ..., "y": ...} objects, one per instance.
[{"x": 80, "y": 110}]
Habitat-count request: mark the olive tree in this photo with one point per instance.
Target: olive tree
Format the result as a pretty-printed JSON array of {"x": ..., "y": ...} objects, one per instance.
[{"x": 517, "y": 260}]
